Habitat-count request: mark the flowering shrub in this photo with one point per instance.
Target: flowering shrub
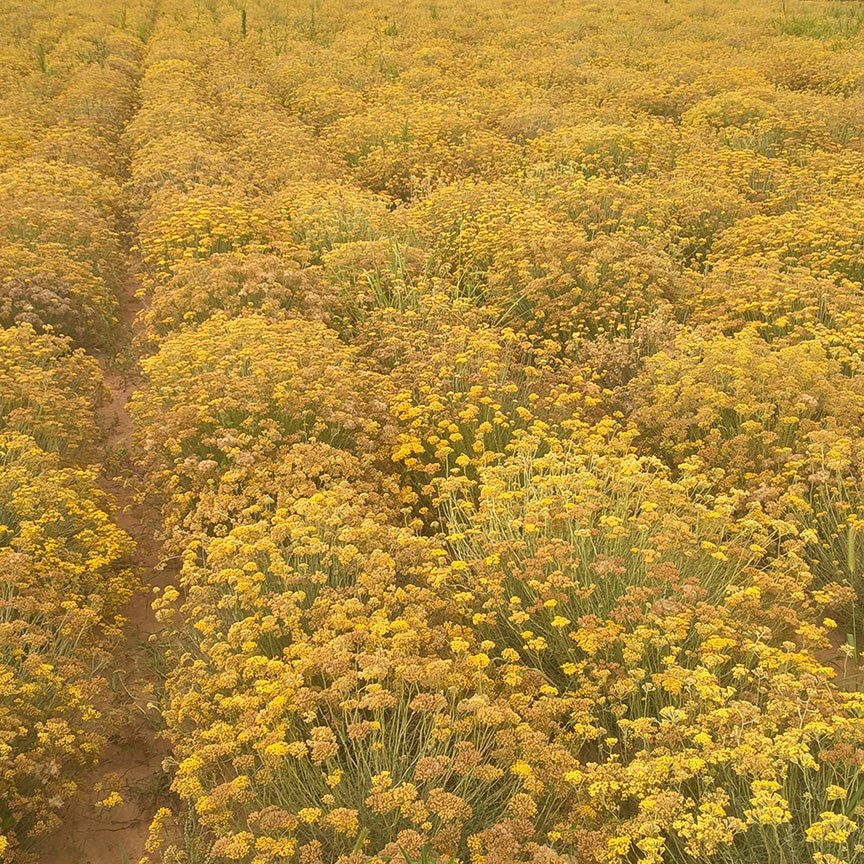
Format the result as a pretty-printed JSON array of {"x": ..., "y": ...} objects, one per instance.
[
  {"x": 198, "y": 224},
  {"x": 48, "y": 390},
  {"x": 232, "y": 283},
  {"x": 322, "y": 216},
  {"x": 744, "y": 406},
  {"x": 369, "y": 730},
  {"x": 467, "y": 392},
  {"x": 47, "y": 289},
  {"x": 655, "y": 617},
  {"x": 234, "y": 391},
  {"x": 819, "y": 236},
  {"x": 63, "y": 584},
  {"x": 406, "y": 151},
  {"x": 60, "y": 249}
]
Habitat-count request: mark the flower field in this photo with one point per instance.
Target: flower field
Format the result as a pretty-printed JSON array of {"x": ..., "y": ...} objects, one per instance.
[{"x": 499, "y": 390}]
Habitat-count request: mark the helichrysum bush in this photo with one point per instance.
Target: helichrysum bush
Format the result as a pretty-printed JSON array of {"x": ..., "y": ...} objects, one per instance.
[
  {"x": 234, "y": 391},
  {"x": 236, "y": 284},
  {"x": 48, "y": 390},
  {"x": 658, "y": 621},
  {"x": 63, "y": 585}
]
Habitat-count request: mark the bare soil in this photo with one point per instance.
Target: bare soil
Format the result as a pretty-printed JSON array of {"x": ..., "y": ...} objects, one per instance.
[
  {"x": 132, "y": 762},
  {"x": 850, "y": 670}
]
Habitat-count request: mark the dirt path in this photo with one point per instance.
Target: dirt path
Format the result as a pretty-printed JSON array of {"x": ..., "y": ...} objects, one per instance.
[{"x": 131, "y": 764}]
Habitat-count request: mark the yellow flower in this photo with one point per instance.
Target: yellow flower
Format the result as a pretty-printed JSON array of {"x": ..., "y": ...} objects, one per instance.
[
  {"x": 835, "y": 793},
  {"x": 114, "y": 799},
  {"x": 767, "y": 806},
  {"x": 831, "y": 828},
  {"x": 309, "y": 815}
]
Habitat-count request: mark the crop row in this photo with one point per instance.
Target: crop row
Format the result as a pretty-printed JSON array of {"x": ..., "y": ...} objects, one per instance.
[
  {"x": 502, "y": 402},
  {"x": 67, "y": 88}
]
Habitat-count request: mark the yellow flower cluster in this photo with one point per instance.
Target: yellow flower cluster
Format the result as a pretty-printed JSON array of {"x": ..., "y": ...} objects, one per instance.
[{"x": 63, "y": 584}]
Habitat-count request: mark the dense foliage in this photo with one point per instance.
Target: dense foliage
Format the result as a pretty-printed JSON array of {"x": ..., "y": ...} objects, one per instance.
[{"x": 502, "y": 398}]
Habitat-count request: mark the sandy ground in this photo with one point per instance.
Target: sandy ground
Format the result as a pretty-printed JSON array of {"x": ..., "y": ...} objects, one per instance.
[{"x": 132, "y": 762}]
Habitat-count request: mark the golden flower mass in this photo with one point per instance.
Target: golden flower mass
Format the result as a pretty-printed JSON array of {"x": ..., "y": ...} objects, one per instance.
[{"x": 498, "y": 390}]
